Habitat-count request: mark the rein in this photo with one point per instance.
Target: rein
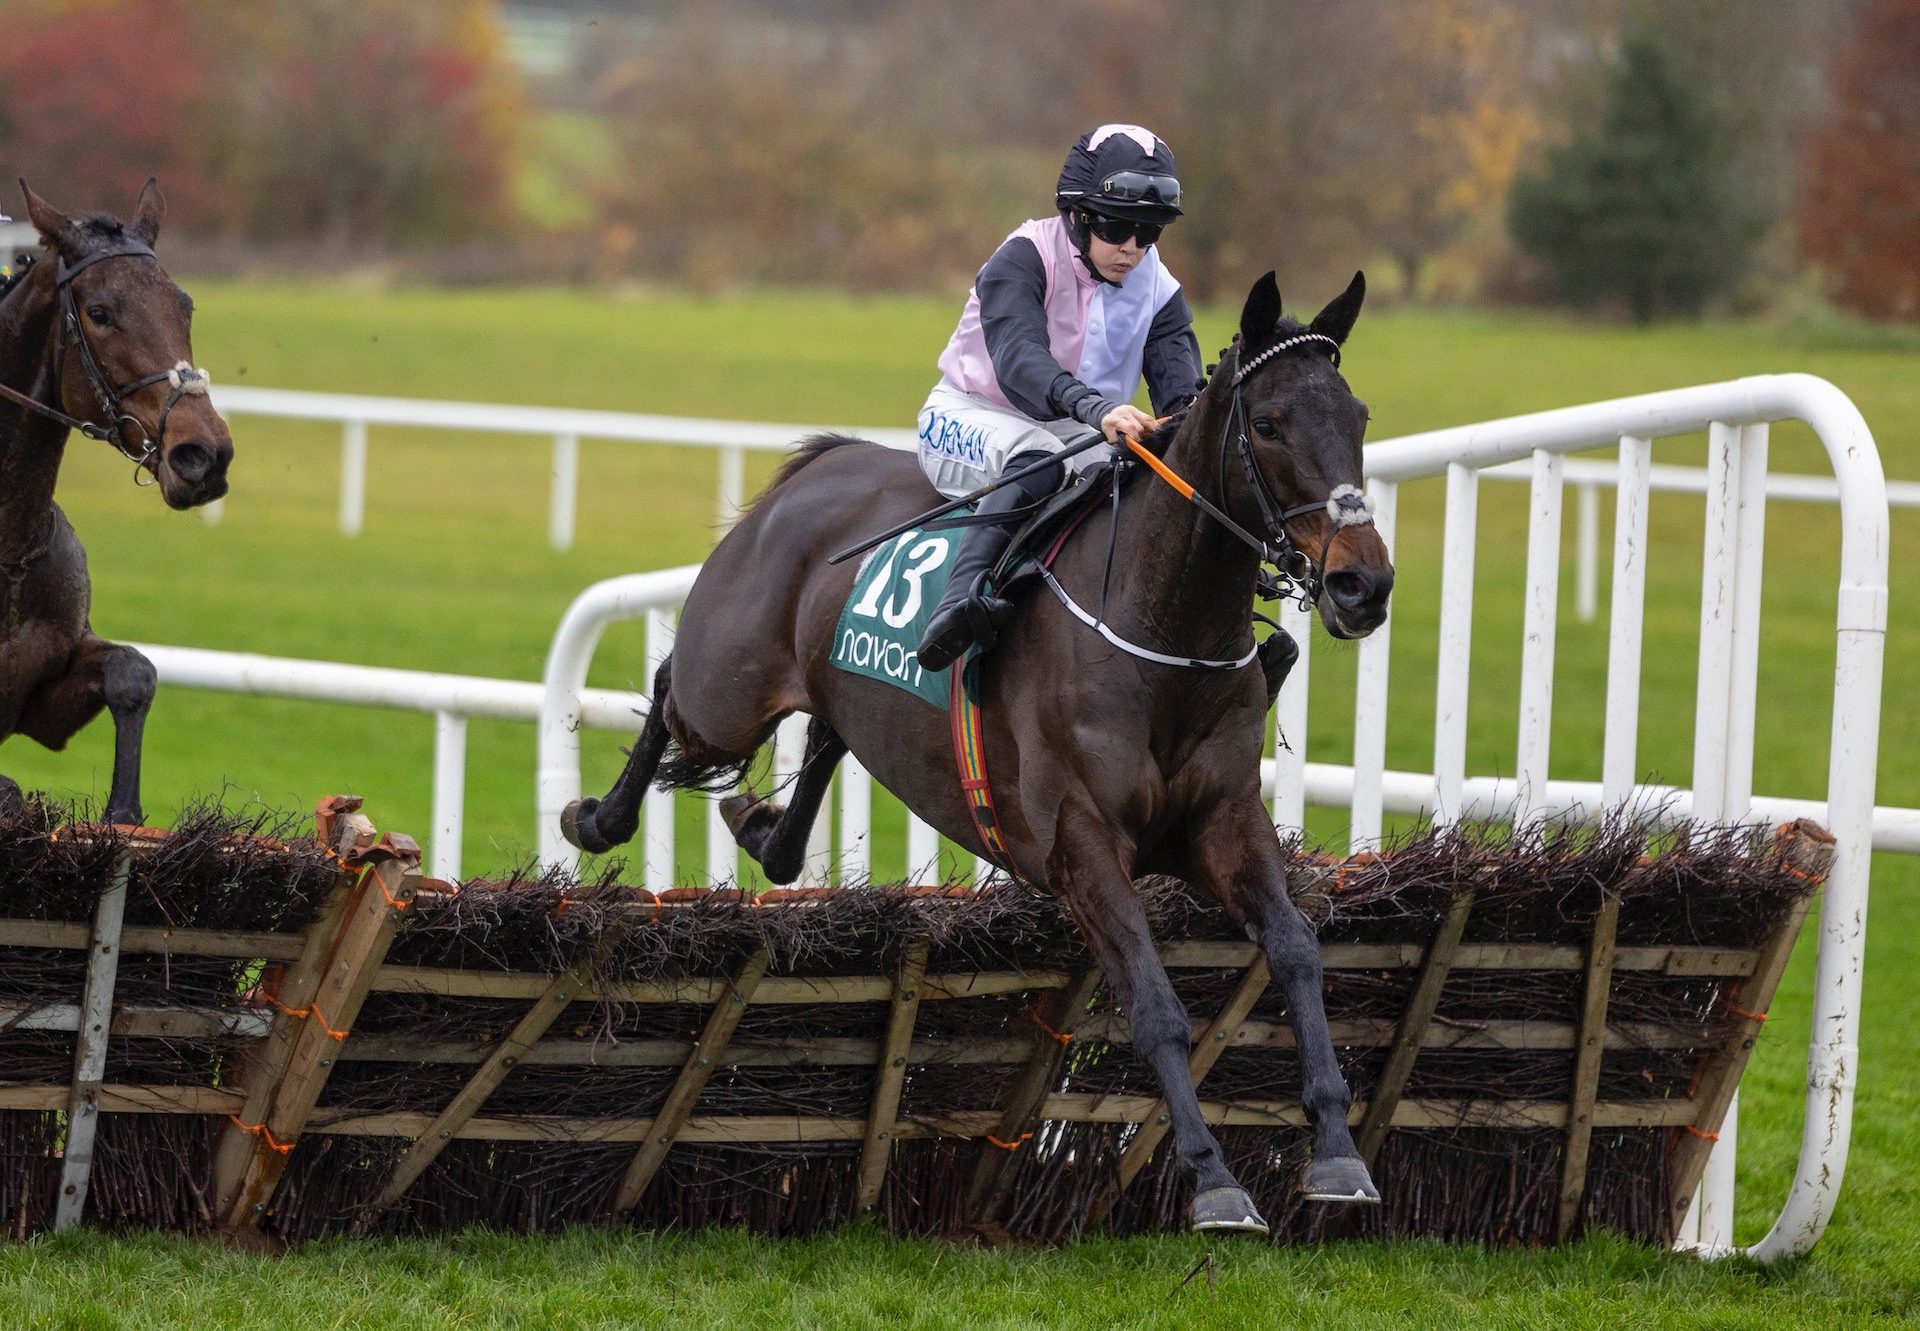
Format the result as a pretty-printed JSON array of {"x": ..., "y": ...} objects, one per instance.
[
  {"x": 1298, "y": 576},
  {"x": 184, "y": 379}
]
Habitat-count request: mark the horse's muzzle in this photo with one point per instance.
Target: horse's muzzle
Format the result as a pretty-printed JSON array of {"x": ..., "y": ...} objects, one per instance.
[
  {"x": 194, "y": 472},
  {"x": 1354, "y": 602}
]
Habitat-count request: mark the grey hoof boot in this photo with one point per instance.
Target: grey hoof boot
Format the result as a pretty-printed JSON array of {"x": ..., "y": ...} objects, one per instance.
[
  {"x": 1340, "y": 1178},
  {"x": 1227, "y": 1210}
]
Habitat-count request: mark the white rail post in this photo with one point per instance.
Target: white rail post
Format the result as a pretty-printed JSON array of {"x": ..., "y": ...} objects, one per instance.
[
  {"x": 1290, "y": 724},
  {"x": 1718, "y": 590},
  {"x": 856, "y": 821},
  {"x": 449, "y": 792},
  {"x": 1621, "y": 752},
  {"x": 723, "y": 852},
  {"x": 1586, "y": 577},
  {"x": 661, "y": 868},
  {"x": 564, "y": 500},
  {"x": 923, "y": 851},
  {"x": 353, "y": 477},
  {"x": 733, "y": 484},
  {"x": 213, "y": 512},
  {"x": 90, "y": 1047},
  {"x": 1749, "y": 445},
  {"x": 1536, "y": 652},
  {"x": 1370, "y": 700},
  {"x": 1456, "y": 643}
]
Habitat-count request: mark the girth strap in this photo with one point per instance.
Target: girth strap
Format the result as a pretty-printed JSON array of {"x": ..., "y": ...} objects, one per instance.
[{"x": 970, "y": 757}]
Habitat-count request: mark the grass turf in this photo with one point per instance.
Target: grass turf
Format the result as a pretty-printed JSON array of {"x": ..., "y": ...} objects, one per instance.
[{"x": 453, "y": 573}]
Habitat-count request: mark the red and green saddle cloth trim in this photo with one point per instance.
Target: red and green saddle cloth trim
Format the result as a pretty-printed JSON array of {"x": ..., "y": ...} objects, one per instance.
[{"x": 970, "y": 756}]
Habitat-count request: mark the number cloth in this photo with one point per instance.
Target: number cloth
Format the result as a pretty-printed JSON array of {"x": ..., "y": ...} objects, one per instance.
[{"x": 884, "y": 619}]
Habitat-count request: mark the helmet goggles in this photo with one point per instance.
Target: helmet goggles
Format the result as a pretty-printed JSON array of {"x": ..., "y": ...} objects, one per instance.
[{"x": 1140, "y": 187}]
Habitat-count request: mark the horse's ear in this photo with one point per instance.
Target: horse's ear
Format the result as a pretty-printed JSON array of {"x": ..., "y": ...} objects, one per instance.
[
  {"x": 54, "y": 226},
  {"x": 1262, "y": 312},
  {"x": 147, "y": 213},
  {"x": 1336, "y": 321}
]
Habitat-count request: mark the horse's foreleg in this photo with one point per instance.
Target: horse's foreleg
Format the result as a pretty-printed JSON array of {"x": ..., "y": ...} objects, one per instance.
[
  {"x": 100, "y": 674},
  {"x": 1088, "y": 873},
  {"x": 777, "y": 837},
  {"x": 598, "y": 825},
  {"x": 1236, "y": 856}
]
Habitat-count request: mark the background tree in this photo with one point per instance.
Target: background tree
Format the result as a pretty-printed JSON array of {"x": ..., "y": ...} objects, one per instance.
[
  {"x": 1640, "y": 208},
  {"x": 1860, "y": 199}
]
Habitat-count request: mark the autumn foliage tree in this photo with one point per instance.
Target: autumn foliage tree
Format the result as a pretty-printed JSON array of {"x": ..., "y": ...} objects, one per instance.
[
  {"x": 1859, "y": 216},
  {"x": 346, "y": 119}
]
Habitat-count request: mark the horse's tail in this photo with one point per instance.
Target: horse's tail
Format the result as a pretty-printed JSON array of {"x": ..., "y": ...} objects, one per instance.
[{"x": 804, "y": 452}]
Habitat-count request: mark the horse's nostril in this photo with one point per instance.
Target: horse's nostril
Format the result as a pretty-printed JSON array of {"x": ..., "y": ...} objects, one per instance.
[
  {"x": 1349, "y": 588},
  {"x": 190, "y": 461}
]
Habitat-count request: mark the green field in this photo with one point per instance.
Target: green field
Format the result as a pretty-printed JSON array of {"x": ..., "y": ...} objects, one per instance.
[{"x": 453, "y": 573}]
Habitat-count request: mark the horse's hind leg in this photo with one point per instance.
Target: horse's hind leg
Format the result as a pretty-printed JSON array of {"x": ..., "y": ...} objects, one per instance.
[
  {"x": 777, "y": 837},
  {"x": 598, "y": 825},
  {"x": 101, "y": 674}
]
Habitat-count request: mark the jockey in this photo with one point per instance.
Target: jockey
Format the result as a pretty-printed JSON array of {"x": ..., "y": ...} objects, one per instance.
[{"x": 1061, "y": 324}]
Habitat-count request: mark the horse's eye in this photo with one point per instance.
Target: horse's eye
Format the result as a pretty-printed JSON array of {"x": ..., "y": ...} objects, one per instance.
[
  {"x": 100, "y": 315},
  {"x": 1265, "y": 428}
]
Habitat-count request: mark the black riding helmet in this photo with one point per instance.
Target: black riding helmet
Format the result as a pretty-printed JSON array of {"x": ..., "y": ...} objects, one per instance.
[{"x": 1123, "y": 172}]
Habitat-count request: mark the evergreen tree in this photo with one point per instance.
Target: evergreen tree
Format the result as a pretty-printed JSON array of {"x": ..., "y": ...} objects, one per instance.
[{"x": 1639, "y": 208}]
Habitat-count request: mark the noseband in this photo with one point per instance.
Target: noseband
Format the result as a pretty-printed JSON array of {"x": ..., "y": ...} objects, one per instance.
[
  {"x": 1300, "y": 579},
  {"x": 184, "y": 379}
]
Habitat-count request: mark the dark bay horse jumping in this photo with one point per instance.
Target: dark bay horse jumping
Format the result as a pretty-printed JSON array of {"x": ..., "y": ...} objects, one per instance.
[
  {"x": 1107, "y": 766},
  {"x": 93, "y": 338}
]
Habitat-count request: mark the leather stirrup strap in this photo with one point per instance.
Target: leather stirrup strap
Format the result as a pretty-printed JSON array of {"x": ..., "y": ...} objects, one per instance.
[{"x": 970, "y": 756}]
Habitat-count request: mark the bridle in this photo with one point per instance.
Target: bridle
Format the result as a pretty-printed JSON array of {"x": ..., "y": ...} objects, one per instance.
[
  {"x": 1300, "y": 579},
  {"x": 184, "y": 379}
]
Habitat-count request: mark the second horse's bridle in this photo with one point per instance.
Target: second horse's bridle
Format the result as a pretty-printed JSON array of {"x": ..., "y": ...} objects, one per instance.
[{"x": 184, "y": 378}]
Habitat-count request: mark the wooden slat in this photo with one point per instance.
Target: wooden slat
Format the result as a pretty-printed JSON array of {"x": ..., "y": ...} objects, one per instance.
[
  {"x": 1205, "y": 1053},
  {"x": 1586, "y": 1064},
  {"x": 144, "y": 1022},
  {"x": 90, "y": 1048},
  {"x": 995, "y": 1169},
  {"x": 680, "y": 1101},
  {"x": 72, "y": 935},
  {"x": 128, "y": 1099},
  {"x": 384, "y": 891},
  {"x": 1080, "y": 1107},
  {"x": 1068, "y": 1108},
  {"x": 1811, "y": 857},
  {"x": 258, "y": 1070},
  {"x": 1412, "y": 1031},
  {"x": 891, "y": 1075},
  {"x": 499, "y": 1064},
  {"x": 1377, "y": 1032},
  {"x": 1196, "y": 954}
]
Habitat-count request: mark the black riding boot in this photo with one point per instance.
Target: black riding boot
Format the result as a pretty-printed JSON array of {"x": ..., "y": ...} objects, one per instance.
[{"x": 968, "y": 613}]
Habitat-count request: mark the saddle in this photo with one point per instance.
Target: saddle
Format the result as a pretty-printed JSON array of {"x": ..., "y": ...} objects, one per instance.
[{"x": 1036, "y": 542}]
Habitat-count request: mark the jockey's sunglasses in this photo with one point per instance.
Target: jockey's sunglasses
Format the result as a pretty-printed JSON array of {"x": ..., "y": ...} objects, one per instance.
[{"x": 1119, "y": 230}]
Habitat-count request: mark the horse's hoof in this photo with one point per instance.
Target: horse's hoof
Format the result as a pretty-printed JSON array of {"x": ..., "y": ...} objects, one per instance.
[
  {"x": 1227, "y": 1210},
  {"x": 576, "y": 825},
  {"x": 745, "y": 812},
  {"x": 1340, "y": 1178},
  {"x": 11, "y": 796}
]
